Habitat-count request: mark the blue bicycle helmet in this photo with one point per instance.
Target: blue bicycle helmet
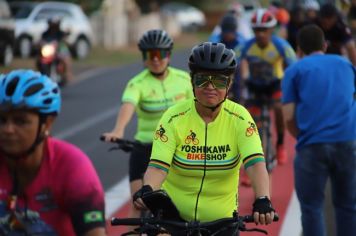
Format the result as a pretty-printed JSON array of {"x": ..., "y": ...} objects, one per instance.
[{"x": 29, "y": 90}]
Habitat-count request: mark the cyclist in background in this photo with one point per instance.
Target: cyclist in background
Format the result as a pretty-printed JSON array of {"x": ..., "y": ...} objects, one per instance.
[
  {"x": 271, "y": 55},
  {"x": 337, "y": 34},
  {"x": 54, "y": 33},
  {"x": 311, "y": 8},
  {"x": 243, "y": 25},
  {"x": 282, "y": 16},
  {"x": 229, "y": 34},
  {"x": 40, "y": 173},
  {"x": 232, "y": 39},
  {"x": 202, "y": 178},
  {"x": 150, "y": 93},
  {"x": 297, "y": 20}
]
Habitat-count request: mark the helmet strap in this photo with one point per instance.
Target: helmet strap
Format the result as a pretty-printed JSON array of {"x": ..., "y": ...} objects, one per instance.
[
  {"x": 159, "y": 74},
  {"x": 212, "y": 108}
]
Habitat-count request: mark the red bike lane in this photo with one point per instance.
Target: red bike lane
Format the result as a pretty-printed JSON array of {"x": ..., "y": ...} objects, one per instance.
[{"x": 282, "y": 189}]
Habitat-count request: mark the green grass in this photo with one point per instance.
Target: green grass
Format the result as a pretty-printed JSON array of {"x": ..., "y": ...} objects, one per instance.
[{"x": 100, "y": 56}]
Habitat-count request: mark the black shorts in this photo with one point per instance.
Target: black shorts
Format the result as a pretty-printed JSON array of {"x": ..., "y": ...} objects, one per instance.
[{"x": 139, "y": 159}]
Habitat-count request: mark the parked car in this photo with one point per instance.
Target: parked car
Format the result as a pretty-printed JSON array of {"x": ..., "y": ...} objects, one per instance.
[
  {"x": 7, "y": 34},
  {"x": 31, "y": 21},
  {"x": 187, "y": 16}
]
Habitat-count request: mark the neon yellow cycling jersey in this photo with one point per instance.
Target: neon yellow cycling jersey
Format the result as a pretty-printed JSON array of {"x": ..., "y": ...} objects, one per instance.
[
  {"x": 184, "y": 145},
  {"x": 278, "y": 54},
  {"x": 152, "y": 97}
]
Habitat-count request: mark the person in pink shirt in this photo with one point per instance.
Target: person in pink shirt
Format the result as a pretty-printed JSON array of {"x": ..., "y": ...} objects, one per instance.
[{"x": 47, "y": 180}]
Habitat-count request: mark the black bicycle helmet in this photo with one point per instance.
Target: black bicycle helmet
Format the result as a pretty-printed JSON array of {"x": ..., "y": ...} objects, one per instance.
[
  {"x": 212, "y": 57},
  {"x": 155, "y": 39},
  {"x": 228, "y": 23}
]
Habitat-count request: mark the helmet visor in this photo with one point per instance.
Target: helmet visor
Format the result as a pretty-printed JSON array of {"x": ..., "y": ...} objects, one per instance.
[{"x": 218, "y": 81}]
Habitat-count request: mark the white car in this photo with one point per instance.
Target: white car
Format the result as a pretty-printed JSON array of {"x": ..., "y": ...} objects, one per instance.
[
  {"x": 31, "y": 21},
  {"x": 187, "y": 16}
]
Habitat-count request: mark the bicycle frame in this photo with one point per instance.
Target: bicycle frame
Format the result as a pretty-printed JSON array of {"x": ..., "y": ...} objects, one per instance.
[{"x": 263, "y": 121}]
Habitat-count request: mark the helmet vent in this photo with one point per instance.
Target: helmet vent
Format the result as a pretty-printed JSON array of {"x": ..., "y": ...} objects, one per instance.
[
  {"x": 201, "y": 53},
  {"x": 223, "y": 57},
  {"x": 213, "y": 55},
  {"x": 47, "y": 101},
  {"x": 55, "y": 91},
  {"x": 12, "y": 86},
  {"x": 33, "y": 89}
]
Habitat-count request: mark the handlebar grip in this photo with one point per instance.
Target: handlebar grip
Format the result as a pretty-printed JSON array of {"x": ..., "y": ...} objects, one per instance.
[
  {"x": 127, "y": 221},
  {"x": 112, "y": 140},
  {"x": 250, "y": 219}
]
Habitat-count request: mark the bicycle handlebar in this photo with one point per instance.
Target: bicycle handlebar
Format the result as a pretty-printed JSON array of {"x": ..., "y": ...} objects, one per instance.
[
  {"x": 123, "y": 144},
  {"x": 193, "y": 225},
  {"x": 141, "y": 221}
]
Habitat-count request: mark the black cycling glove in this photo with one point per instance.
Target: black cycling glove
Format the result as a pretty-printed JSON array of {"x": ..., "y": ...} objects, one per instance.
[
  {"x": 262, "y": 205},
  {"x": 143, "y": 190}
]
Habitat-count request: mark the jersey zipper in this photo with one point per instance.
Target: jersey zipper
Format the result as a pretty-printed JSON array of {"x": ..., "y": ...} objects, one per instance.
[
  {"x": 204, "y": 172},
  {"x": 164, "y": 94}
]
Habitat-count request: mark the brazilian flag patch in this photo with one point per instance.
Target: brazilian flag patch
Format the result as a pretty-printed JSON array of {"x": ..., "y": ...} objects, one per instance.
[{"x": 93, "y": 216}]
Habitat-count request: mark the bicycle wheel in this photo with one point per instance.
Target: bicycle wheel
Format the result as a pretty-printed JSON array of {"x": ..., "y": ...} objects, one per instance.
[
  {"x": 195, "y": 141},
  {"x": 156, "y": 135},
  {"x": 188, "y": 140},
  {"x": 164, "y": 138}
]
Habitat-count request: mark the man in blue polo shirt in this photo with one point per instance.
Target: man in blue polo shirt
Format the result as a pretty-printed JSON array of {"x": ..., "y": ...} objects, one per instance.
[{"x": 319, "y": 109}]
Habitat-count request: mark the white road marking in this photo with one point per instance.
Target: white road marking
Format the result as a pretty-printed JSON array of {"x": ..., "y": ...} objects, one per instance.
[
  {"x": 75, "y": 129},
  {"x": 116, "y": 197},
  {"x": 292, "y": 224}
]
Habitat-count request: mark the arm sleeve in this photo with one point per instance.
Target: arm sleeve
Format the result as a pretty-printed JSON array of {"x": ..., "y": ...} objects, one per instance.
[
  {"x": 83, "y": 194},
  {"x": 131, "y": 93},
  {"x": 289, "y": 92},
  {"x": 249, "y": 141},
  {"x": 289, "y": 54},
  {"x": 240, "y": 52},
  {"x": 164, "y": 146}
]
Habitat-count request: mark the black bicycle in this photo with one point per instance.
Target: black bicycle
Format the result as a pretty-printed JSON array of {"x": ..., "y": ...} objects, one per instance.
[
  {"x": 166, "y": 220},
  {"x": 261, "y": 99}
]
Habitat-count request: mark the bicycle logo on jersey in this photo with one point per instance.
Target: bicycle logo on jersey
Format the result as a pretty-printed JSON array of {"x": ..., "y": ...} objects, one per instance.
[
  {"x": 160, "y": 134},
  {"x": 251, "y": 129},
  {"x": 192, "y": 138}
]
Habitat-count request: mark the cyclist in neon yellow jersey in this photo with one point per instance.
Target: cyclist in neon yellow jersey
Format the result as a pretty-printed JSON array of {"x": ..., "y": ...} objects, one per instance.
[
  {"x": 202, "y": 176},
  {"x": 150, "y": 93}
]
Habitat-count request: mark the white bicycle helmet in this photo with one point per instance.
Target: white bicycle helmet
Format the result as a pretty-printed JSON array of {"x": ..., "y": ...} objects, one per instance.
[
  {"x": 311, "y": 5},
  {"x": 262, "y": 18}
]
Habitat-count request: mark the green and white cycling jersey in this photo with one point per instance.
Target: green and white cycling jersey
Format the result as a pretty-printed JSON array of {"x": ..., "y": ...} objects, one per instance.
[
  {"x": 184, "y": 145},
  {"x": 152, "y": 97}
]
